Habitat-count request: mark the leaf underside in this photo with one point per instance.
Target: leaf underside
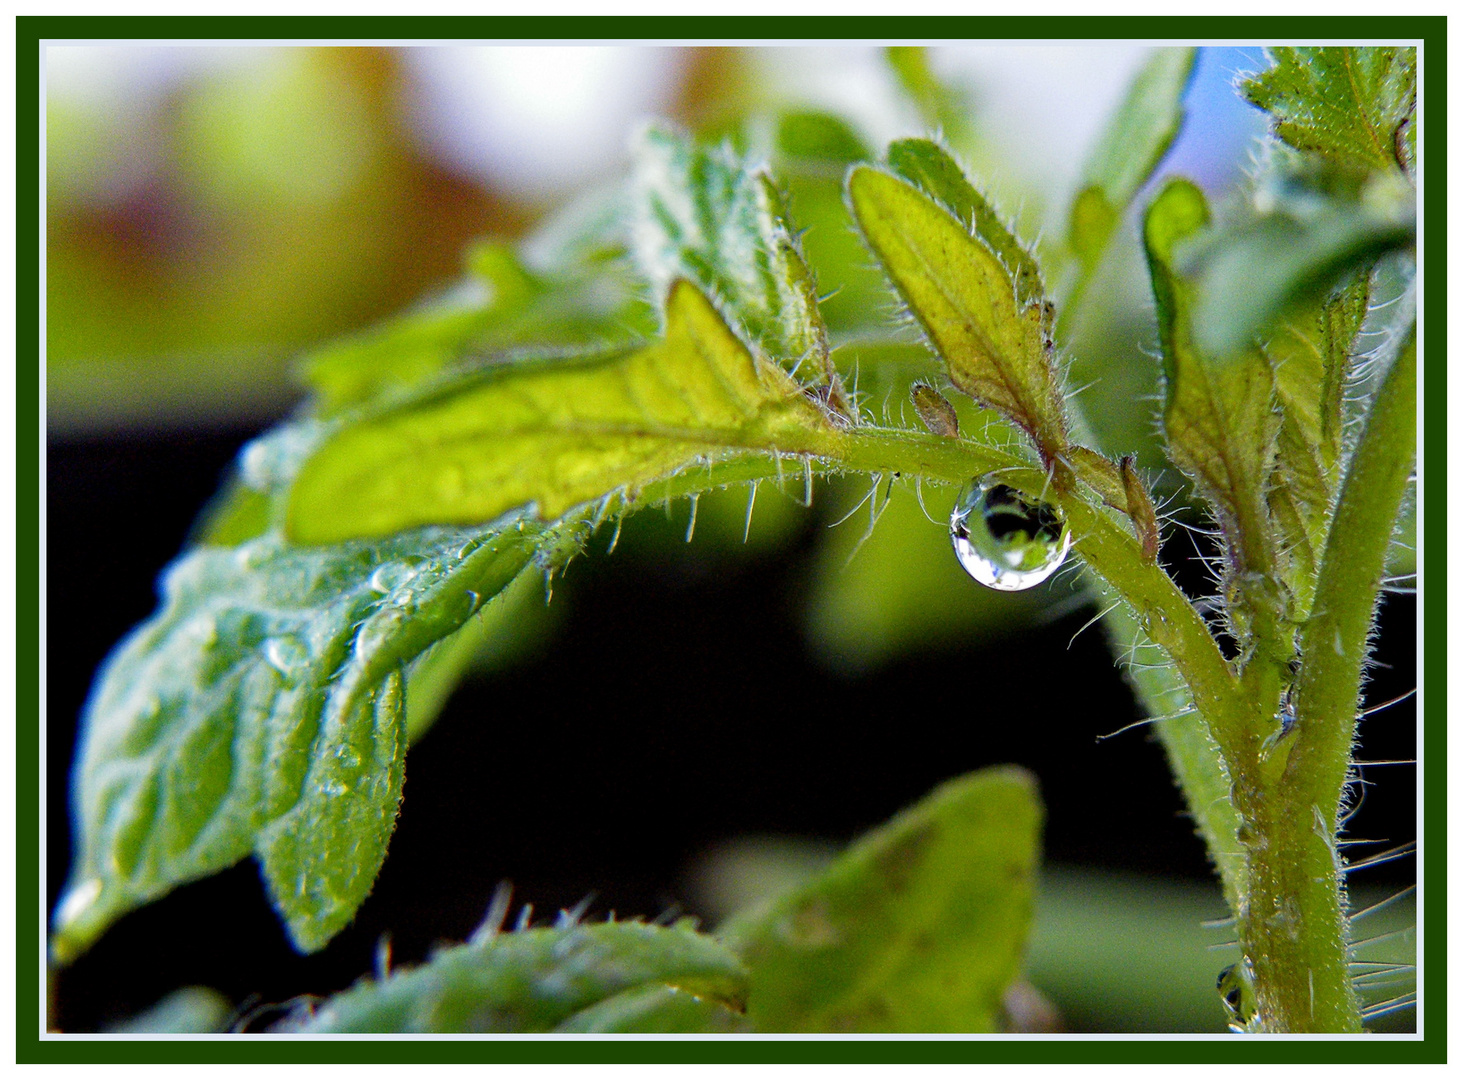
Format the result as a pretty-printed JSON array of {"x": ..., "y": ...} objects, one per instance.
[
  {"x": 703, "y": 215},
  {"x": 260, "y": 710}
]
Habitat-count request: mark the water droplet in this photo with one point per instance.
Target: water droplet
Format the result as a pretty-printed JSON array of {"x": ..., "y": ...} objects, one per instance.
[
  {"x": 1249, "y": 836},
  {"x": 1005, "y": 540},
  {"x": 1237, "y": 992},
  {"x": 287, "y": 654},
  {"x": 392, "y": 576},
  {"x": 347, "y": 757},
  {"x": 76, "y": 902}
]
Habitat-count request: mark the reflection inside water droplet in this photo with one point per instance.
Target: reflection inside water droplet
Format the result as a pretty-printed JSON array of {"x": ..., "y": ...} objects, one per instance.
[
  {"x": 287, "y": 654},
  {"x": 1004, "y": 539},
  {"x": 392, "y": 576},
  {"x": 76, "y": 902},
  {"x": 1237, "y": 992}
]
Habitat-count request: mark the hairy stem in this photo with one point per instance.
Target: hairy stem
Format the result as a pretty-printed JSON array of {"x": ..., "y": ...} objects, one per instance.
[{"x": 1294, "y": 927}]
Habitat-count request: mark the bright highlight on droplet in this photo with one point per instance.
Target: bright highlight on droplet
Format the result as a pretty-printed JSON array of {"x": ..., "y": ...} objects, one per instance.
[
  {"x": 1005, "y": 540},
  {"x": 75, "y": 903}
]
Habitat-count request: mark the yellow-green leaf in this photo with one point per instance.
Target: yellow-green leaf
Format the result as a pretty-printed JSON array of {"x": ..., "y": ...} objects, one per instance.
[
  {"x": 553, "y": 433},
  {"x": 930, "y": 167},
  {"x": 997, "y": 349}
]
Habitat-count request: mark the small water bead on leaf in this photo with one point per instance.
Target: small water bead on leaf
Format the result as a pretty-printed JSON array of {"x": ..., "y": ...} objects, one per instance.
[
  {"x": 287, "y": 654},
  {"x": 390, "y": 577},
  {"x": 1237, "y": 992},
  {"x": 1005, "y": 540}
]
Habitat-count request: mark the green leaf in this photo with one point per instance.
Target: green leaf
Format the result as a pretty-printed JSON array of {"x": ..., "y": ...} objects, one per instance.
[
  {"x": 193, "y": 1010},
  {"x": 541, "y": 980},
  {"x": 552, "y": 433},
  {"x": 809, "y": 141},
  {"x": 707, "y": 216},
  {"x": 504, "y": 306},
  {"x": 997, "y": 347},
  {"x": 260, "y": 709},
  {"x": 920, "y": 926},
  {"x": 942, "y": 107},
  {"x": 1355, "y": 105},
  {"x": 1217, "y": 410},
  {"x": 810, "y": 154},
  {"x": 1129, "y": 149},
  {"x": 1311, "y": 357},
  {"x": 929, "y": 167},
  {"x": 1303, "y": 243},
  {"x": 656, "y": 1010}
]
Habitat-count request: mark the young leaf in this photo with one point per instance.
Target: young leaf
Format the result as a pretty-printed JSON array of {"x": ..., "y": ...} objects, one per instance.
[
  {"x": 920, "y": 926},
  {"x": 1354, "y": 105},
  {"x": 1129, "y": 149},
  {"x": 571, "y": 979},
  {"x": 927, "y": 165},
  {"x": 704, "y": 215},
  {"x": 260, "y": 709},
  {"x": 935, "y": 411},
  {"x": 996, "y": 345},
  {"x": 1217, "y": 410},
  {"x": 810, "y": 153},
  {"x": 1310, "y": 357},
  {"x": 552, "y": 433}
]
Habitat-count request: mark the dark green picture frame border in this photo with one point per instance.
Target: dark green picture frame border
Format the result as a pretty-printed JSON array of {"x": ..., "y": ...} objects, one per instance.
[{"x": 31, "y": 31}]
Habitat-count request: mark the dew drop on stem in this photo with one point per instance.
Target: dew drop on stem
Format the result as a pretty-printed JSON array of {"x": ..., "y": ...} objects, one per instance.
[
  {"x": 1005, "y": 540},
  {"x": 1237, "y": 993}
]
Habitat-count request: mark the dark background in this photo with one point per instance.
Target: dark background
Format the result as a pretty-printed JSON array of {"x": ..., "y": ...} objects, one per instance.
[{"x": 675, "y": 706}]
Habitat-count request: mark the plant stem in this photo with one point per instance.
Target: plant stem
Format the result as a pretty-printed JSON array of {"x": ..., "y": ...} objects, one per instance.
[{"x": 1294, "y": 927}]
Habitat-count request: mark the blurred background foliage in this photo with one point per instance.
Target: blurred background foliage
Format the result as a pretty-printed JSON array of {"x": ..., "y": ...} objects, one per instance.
[{"x": 216, "y": 216}]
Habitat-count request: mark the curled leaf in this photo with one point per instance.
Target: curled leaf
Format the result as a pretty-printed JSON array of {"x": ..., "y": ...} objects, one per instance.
[
  {"x": 1140, "y": 508},
  {"x": 704, "y": 215},
  {"x": 1218, "y": 411}
]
